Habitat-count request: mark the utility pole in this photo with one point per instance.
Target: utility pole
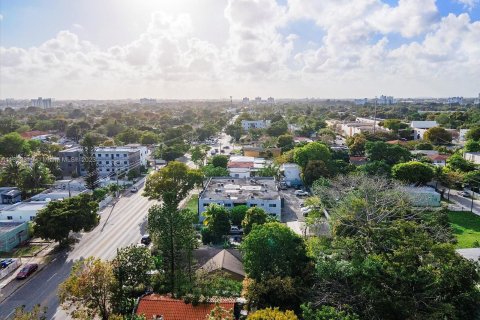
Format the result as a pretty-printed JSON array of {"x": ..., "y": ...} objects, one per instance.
[
  {"x": 473, "y": 196},
  {"x": 375, "y": 117}
]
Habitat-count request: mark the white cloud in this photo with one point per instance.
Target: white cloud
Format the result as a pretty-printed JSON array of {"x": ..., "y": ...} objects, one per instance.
[
  {"x": 353, "y": 58},
  {"x": 77, "y": 26},
  {"x": 469, "y": 4},
  {"x": 1, "y": 17}
]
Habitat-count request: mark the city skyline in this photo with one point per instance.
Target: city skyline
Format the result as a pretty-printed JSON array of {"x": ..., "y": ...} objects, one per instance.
[{"x": 284, "y": 49}]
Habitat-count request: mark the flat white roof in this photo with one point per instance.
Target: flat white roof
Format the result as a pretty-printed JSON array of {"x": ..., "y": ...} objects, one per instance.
[{"x": 423, "y": 124}]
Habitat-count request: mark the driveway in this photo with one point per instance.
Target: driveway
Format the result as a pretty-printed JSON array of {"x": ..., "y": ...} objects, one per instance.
[{"x": 291, "y": 206}]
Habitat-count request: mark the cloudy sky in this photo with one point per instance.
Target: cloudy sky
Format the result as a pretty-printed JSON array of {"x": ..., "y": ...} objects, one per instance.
[{"x": 217, "y": 48}]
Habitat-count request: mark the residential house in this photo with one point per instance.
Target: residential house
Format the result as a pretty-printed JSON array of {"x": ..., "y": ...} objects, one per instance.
[
  {"x": 439, "y": 160},
  {"x": 245, "y": 167},
  {"x": 420, "y": 127},
  {"x": 472, "y": 156},
  {"x": 161, "y": 307},
  {"x": 217, "y": 260}
]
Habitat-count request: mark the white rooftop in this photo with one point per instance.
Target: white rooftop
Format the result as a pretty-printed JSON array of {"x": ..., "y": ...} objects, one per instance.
[{"x": 423, "y": 124}]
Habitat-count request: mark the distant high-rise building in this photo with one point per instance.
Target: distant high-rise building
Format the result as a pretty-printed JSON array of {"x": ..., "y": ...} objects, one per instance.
[
  {"x": 270, "y": 100},
  {"x": 386, "y": 100},
  {"x": 245, "y": 100},
  {"x": 147, "y": 101},
  {"x": 477, "y": 101},
  {"x": 41, "y": 103},
  {"x": 455, "y": 100},
  {"x": 258, "y": 100}
]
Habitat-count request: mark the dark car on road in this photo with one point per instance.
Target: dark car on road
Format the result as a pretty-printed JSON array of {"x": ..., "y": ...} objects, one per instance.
[
  {"x": 27, "y": 270},
  {"x": 145, "y": 240},
  {"x": 5, "y": 263}
]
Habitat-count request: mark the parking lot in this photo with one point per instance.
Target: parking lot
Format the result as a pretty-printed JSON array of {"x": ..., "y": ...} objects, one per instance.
[{"x": 291, "y": 206}]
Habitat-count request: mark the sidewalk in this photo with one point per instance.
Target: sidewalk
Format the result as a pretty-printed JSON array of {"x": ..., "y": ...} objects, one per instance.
[{"x": 9, "y": 285}]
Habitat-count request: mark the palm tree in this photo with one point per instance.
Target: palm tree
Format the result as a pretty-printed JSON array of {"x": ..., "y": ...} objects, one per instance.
[
  {"x": 35, "y": 177},
  {"x": 10, "y": 175}
]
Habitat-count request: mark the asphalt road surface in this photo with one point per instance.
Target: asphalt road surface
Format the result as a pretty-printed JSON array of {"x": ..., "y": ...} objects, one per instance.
[{"x": 119, "y": 227}]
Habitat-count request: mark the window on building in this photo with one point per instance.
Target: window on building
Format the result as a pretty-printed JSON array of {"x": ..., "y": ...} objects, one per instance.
[
  {"x": 107, "y": 162},
  {"x": 99, "y": 162},
  {"x": 125, "y": 162},
  {"x": 124, "y": 155},
  {"x": 108, "y": 169},
  {"x": 272, "y": 205},
  {"x": 118, "y": 155},
  {"x": 99, "y": 155},
  {"x": 32, "y": 218},
  {"x": 9, "y": 218},
  {"x": 205, "y": 204},
  {"x": 252, "y": 205}
]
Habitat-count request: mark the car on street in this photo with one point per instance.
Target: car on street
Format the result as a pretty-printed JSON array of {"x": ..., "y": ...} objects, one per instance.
[
  {"x": 226, "y": 147},
  {"x": 134, "y": 189},
  {"x": 301, "y": 193},
  {"x": 146, "y": 240},
  {"x": 27, "y": 270},
  {"x": 5, "y": 263},
  {"x": 235, "y": 230},
  {"x": 465, "y": 194}
]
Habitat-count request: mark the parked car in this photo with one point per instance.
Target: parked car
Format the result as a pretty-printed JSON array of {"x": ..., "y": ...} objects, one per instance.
[
  {"x": 301, "y": 193},
  {"x": 27, "y": 270},
  {"x": 226, "y": 147},
  {"x": 465, "y": 194},
  {"x": 146, "y": 240},
  {"x": 134, "y": 189},
  {"x": 235, "y": 230},
  {"x": 6, "y": 262}
]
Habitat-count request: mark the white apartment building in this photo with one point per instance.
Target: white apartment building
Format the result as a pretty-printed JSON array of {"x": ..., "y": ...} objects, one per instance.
[
  {"x": 231, "y": 192},
  {"x": 255, "y": 124},
  {"x": 472, "y": 156},
  {"x": 420, "y": 127},
  {"x": 110, "y": 160}
]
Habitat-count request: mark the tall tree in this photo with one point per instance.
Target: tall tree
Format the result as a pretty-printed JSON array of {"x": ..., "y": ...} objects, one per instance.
[
  {"x": 172, "y": 183},
  {"x": 413, "y": 172},
  {"x": 173, "y": 233},
  {"x": 389, "y": 153},
  {"x": 130, "y": 268},
  {"x": 88, "y": 291},
  {"x": 253, "y": 216},
  {"x": 35, "y": 177},
  {"x": 11, "y": 173},
  {"x": 12, "y": 145},
  {"x": 438, "y": 136},
  {"x": 217, "y": 222},
  {"x": 90, "y": 162}
]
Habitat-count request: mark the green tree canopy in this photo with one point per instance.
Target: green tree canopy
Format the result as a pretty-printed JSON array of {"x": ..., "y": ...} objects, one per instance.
[
  {"x": 272, "y": 314},
  {"x": 472, "y": 146},
  {"x": 389, "y": 153},
  {"x": 413, "y": 172},
  {"x": 237, "y": 214},
  {"x": 220, "y": 161},
  {"x": 285, "y": 142},
  {"x": 438, "y": 136},
  {"x": 12, "y": 145},
  {"x": 458, "y": 163},
  {"x": 253, "y": 216},
  {"x": 59, "y": 218},
  {"x": 172, "y": 183},
  {"x": 473, "y": 133},
  {"x": 210, "y": 171},
  {"x": 311, "y": 151},
  {"x": 217, "y": 222}
]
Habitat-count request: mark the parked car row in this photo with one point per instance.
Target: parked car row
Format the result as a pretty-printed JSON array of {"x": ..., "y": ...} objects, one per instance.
[{"x": 6, "y": 262}]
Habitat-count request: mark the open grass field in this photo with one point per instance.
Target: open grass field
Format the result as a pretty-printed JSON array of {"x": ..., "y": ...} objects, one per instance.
[
  {"x": 466, "y": 227},
  {"x": 192, "y": 203}
]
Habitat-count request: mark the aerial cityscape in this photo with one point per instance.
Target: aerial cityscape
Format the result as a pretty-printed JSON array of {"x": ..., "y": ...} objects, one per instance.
[{"x": 240, "y": 159}]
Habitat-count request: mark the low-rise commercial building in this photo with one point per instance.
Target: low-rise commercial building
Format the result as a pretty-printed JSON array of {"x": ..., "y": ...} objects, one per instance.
[
  {"x": 231, "y": 192},
  {"x": 291, "y": 174},
  {"x": 472, "y": 156},
  {"x": 12, "y": 234},
  {"x": 10, "y": 195}
]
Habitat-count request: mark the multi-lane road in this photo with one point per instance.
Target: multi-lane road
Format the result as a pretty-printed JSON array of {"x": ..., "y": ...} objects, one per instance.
[{"x": 119, "y": 226}]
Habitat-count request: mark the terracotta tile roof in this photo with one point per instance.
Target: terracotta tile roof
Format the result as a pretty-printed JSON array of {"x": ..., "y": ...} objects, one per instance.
[
  {"x": 235, "y": 164},
  {"x": 438, "y": 157},
  {"x": 175, "y": 309},
  {"x": 31, "y": 134}
]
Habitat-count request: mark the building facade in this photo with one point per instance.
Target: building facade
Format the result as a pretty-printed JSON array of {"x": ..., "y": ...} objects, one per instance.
[
  {"x": 231, "y": 192},
  {"x": 110, "y": 160},
  {"x": 255, "y": 124}
]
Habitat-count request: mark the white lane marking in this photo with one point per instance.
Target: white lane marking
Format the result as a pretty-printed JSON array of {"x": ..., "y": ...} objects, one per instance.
[
  {"x": 52, "y": 276},
  {"x": 10, "y": 313}
]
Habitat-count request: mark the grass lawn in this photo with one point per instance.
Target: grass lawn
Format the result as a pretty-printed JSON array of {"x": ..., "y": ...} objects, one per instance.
[
  {"x": 24, "y": 251},
  {"x": 466, "y": 227},
  {"x": 192, "y": 204}
]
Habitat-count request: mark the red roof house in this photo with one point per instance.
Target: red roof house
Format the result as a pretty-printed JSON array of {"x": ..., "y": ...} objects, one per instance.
[{"x": 154, "y": 305}]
